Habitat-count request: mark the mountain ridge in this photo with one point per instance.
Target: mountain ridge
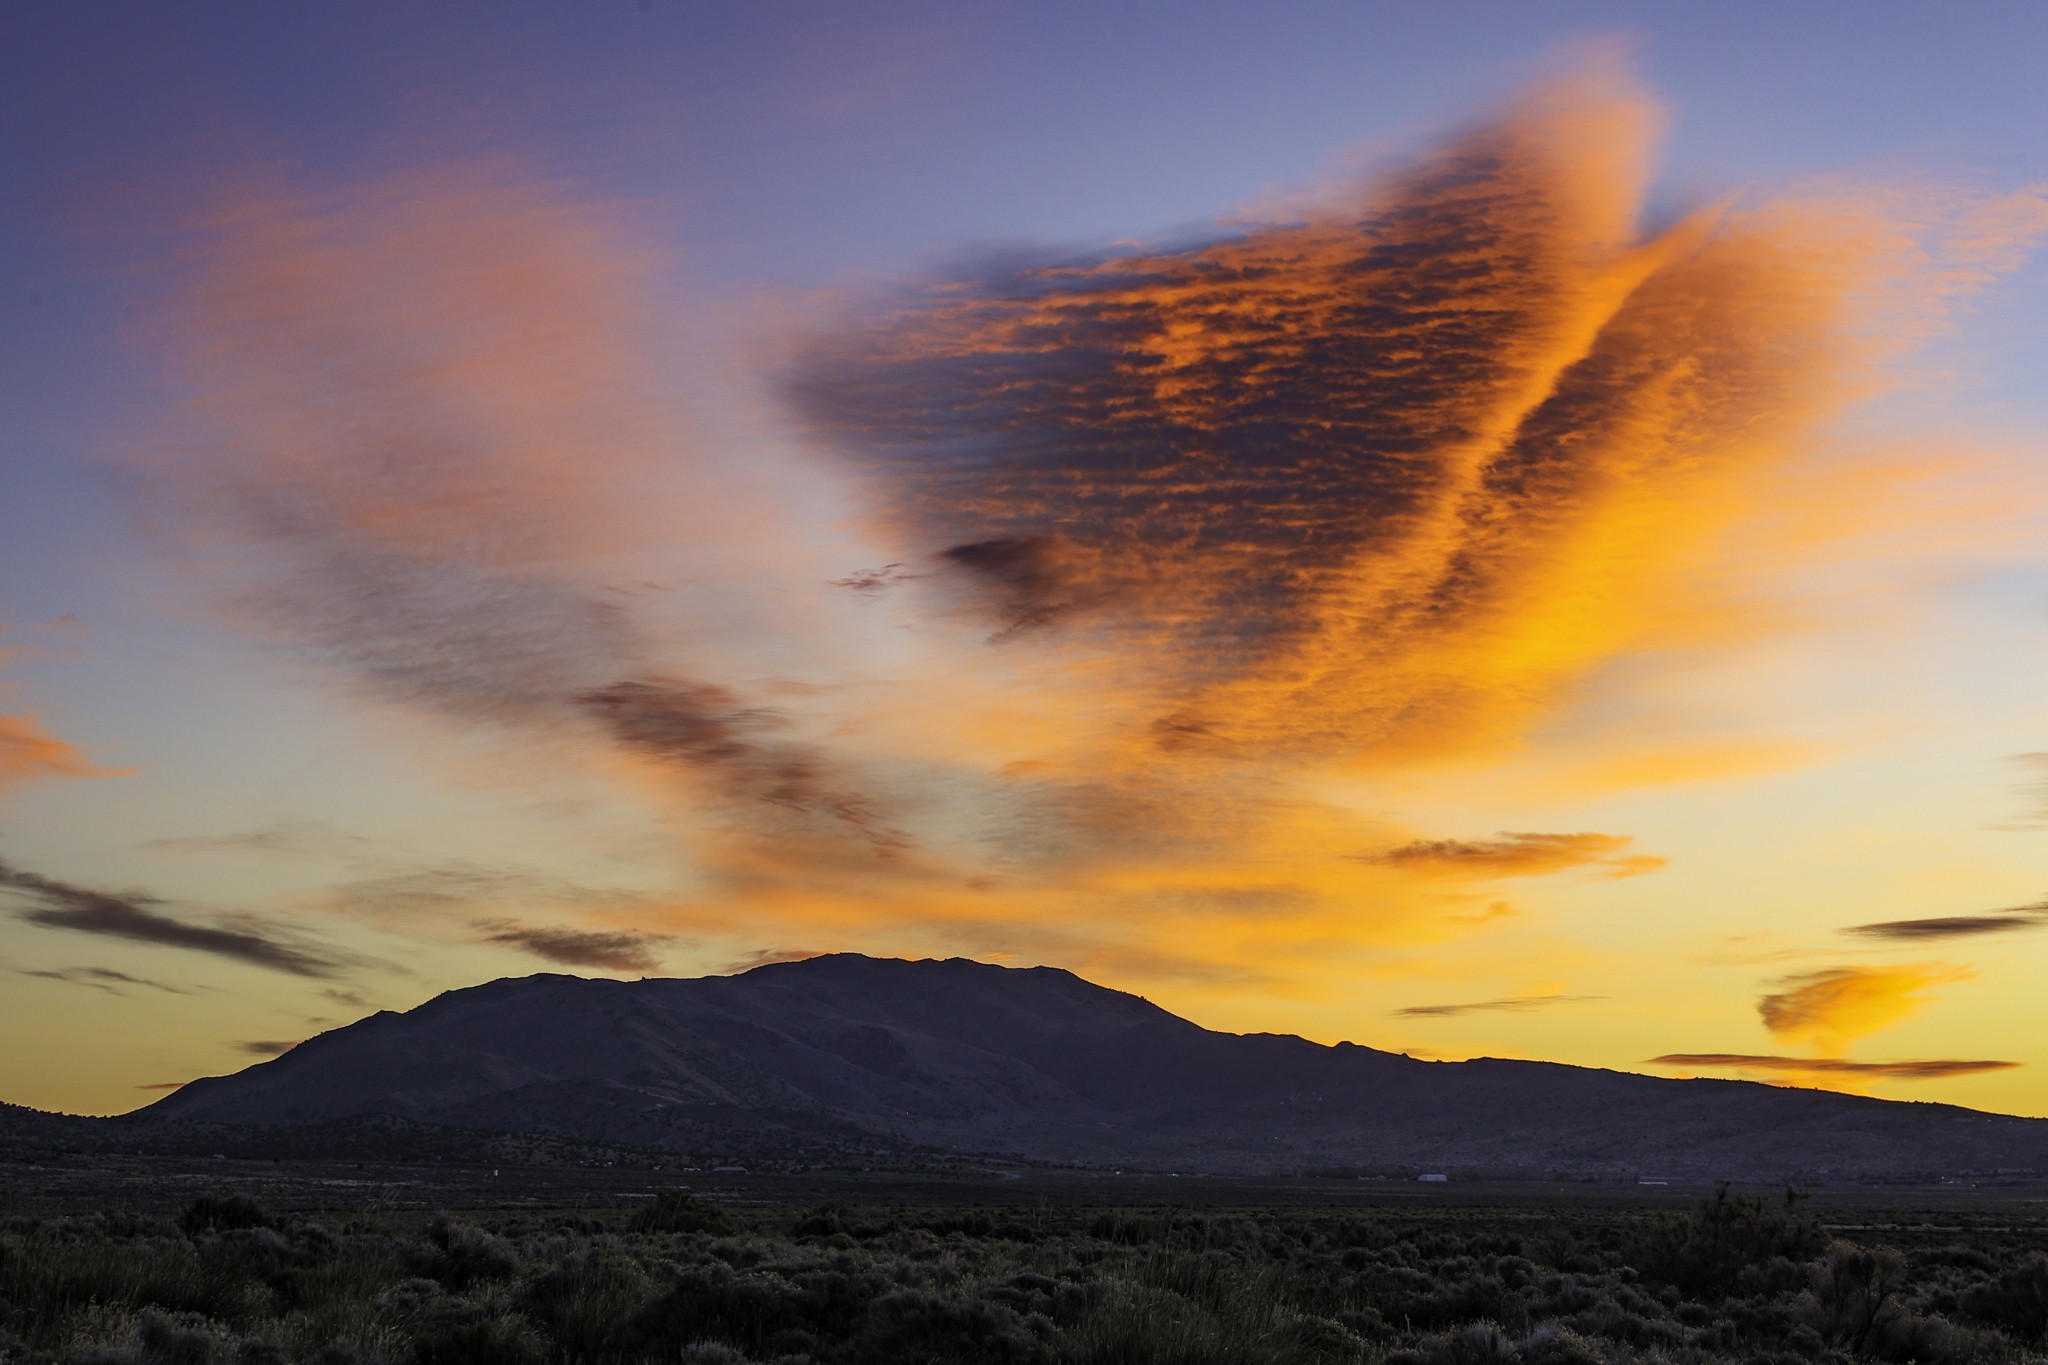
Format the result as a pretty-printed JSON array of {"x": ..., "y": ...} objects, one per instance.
[{"x": 1039, "y": 1063}]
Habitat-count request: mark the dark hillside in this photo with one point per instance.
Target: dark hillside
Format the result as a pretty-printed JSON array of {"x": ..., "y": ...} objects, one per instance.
[{"x": 1037, "y": 1062}]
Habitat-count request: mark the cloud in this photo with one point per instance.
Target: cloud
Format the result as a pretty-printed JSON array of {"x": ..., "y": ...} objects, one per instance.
[
  {"x": 694, "y": 725},
  {"x": 873, "y": 582},
  {"x": 1509, "y": 1003},
  {"x": 1184, "y": 545},
  {"x": 1517, "y": 855},
  {"x": 414, "y": 896},
  {"x": 296, "y": 838},
  {"x": 768, "y": 957},
  {"x": 60, "y": 905},
  {"x": 2035, "y": 766},
  {"x": 99, "y": 978},
  {"x": 1932, "y": 1070},
  {"x": 1383, "y": 481},
  {"x": 29, "y": 753},
  {"x": 614, "y": 951},
  {"x": 428, "y": 443},
  {"x": 1957, "y": 926},
  {"x": 268, "y": 1048},
  {"x": 1833, "y": 1007}
]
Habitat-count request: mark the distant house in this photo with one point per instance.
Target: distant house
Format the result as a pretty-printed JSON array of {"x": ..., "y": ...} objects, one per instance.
[{"x": 1433, "y": 1179}]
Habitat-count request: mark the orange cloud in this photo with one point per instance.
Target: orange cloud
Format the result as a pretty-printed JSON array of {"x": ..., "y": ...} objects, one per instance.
[
  {"x": 28, "y": 753},
  {"x": 1828, "y": 1067},
  {"x": 1172, "y": 540},
  {"x": 1383, "y": 483},
  {"x": 1511, "y": 1003},
  {"x": 1832, "y": 1008},
  {"x": 1517, "y": 855}
]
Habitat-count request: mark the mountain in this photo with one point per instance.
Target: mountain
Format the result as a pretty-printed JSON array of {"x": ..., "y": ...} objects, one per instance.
[{"x": 1038, "y": 1063}]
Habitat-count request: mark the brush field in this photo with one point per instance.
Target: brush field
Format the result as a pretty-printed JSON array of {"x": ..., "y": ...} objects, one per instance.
[{"x": 198, "y": 1264}]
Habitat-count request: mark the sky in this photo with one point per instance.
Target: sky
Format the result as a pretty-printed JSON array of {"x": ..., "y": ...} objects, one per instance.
[{"x": 1481, "y": 530}]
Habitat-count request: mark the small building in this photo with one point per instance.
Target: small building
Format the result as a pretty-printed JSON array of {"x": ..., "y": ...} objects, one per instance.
[{"x": 1433, "y": 1179}]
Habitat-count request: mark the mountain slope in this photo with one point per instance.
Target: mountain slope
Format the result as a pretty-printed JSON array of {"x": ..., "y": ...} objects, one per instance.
[{"x": 1040, "y": 1063}]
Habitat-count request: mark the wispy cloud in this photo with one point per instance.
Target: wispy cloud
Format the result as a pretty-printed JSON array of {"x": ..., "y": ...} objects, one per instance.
[
  {"x": 1931, "y": 1070},
  {"x": 28, "y": 752},
  {"x": 268, "y": 1047},
  {"x": 298, "y": 838},
  {"x": 610, "y": 950},
  {"x": 768, "y": 957},
  {"x": 1508, "y": 1003},
  {"x": 98, "y": 978},
  {"x": 135, "y": 918},
  {"x": 1835, "y": 1006},
  {"x": 1518, "y": 855},
  {"x": 2006, "y": 921},
  {"x": 453, "y": 546}
]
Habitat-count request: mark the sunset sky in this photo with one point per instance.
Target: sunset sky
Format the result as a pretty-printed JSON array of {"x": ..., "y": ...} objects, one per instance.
[{"x": 1481, "y": 529}]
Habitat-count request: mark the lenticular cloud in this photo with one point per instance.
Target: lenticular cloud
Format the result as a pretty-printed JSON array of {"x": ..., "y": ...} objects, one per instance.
[{"x": 1378, "y": 480}]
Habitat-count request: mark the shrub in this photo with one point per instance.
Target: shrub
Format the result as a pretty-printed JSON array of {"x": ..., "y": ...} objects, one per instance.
[
  {"x": 462, "y": 1254},
  {"x": 466, "y": 1336},
  {"x": 681, "y": 1211},
  {"x": 2016, "y": 1301},
  {"x": 1732, "y": 1242},
  {"x": 1851, "y": 1295},
  {"x": 223, "y": 1212},
  {"x": 917, "y": 1324},
  {"x": 584, "y": 1302},
  {"x": 1554, "y": 1344}
]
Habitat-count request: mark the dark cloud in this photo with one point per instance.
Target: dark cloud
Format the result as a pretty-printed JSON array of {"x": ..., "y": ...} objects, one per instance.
[
  {"x": 59, "y": 905},
  {"x": 1033, "y": 580},
  {"x": 615, "y": 951},
  {"x": 165, "y": 1085},
  {"x": 99, "y": 978},
  {"x": 768, "y": 957},
  {"x": 353, "y": 999},
  {"x": 1931, "y": 1070},
  {"x": 268, "y": 1047},
  {"x": 701, "y": 727},
  {"x": 1508, "y": 1003},
  {"x": 1957, "y": 926},
  {"x": 1517, "y": 855},
  {"x": 873, "y": 582}
]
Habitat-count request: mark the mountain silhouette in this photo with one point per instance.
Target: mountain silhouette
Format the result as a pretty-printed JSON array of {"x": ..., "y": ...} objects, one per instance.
[{"x": 1040, "y": 1064}]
